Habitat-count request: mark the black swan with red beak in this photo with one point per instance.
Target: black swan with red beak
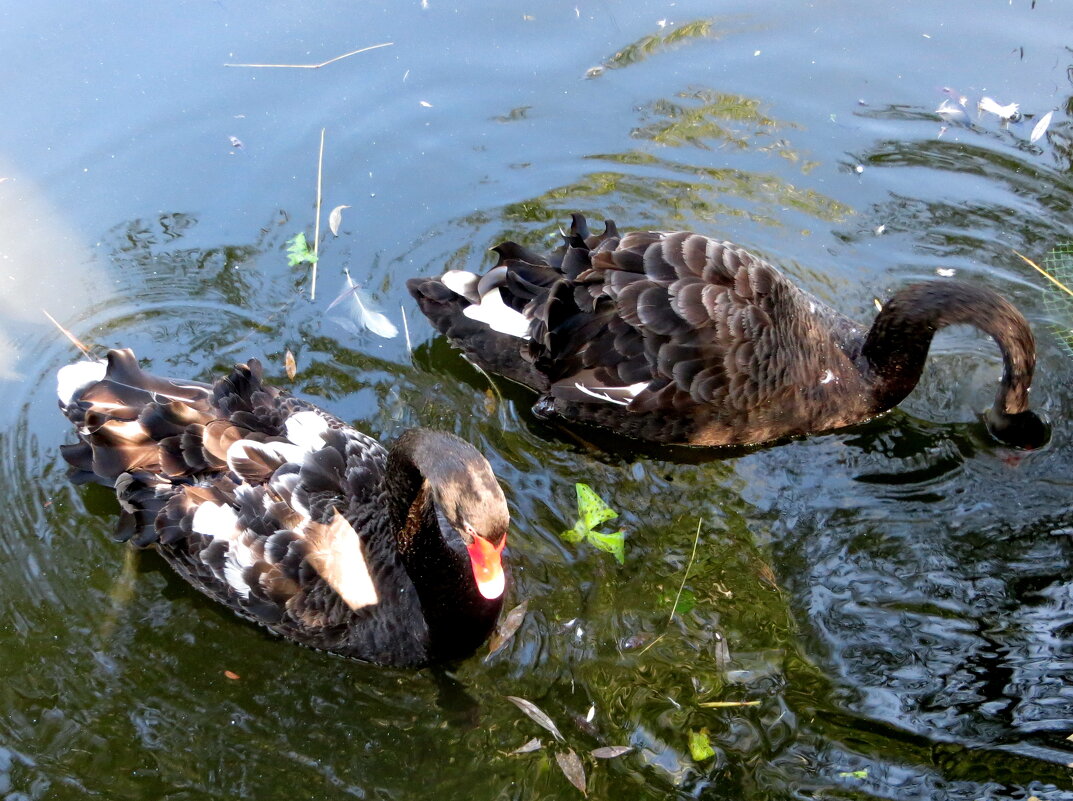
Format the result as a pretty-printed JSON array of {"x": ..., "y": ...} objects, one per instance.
[
  {"x": 293, "y": 519},
  {"x": 678, "y": 338}
]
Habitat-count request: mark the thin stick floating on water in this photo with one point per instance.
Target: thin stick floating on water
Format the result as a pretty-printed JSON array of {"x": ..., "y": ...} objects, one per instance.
[
  {"x": 77, "y": 343},
  {"x": 316, "y": 231},
  {"x": 406, "y": 330},
  {"x": 1045, "y": 274},
  {"x": 315, "y": 66},
  {"x": 681, "y": 587}
]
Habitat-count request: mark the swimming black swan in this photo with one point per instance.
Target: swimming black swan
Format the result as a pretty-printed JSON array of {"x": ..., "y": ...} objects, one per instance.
[
  {"x": 677, "y": 338},
  {"x": 292, "y": 518}
]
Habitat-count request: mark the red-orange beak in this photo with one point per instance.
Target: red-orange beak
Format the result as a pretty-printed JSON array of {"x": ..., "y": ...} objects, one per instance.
[{"x": 487, "y": 563}]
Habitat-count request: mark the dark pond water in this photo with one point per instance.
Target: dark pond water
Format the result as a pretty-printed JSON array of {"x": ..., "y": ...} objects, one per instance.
[{"x": 896, "y": 599}]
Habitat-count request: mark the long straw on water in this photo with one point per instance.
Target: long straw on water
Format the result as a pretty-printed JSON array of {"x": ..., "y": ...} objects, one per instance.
[
  {"x": 316, "y": 232},
  {"x": 74, "y": 340},
  {"x": 315, "y": 66},
  {"x": 681, "y": 587}
]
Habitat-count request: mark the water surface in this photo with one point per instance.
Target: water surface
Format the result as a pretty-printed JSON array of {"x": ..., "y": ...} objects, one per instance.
[{"x": 897, "y": 598}]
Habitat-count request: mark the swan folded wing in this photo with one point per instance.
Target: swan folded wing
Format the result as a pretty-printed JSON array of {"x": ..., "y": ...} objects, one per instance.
[{"x": 335, "y": 552}]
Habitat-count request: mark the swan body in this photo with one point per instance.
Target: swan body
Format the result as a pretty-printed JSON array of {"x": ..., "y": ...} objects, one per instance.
[
  {"x": 291, "y": 518},
  {"x": 679, "y": 338}
]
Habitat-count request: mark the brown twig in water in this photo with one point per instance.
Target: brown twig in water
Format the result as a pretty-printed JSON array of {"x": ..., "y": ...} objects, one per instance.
[
  {"x": 316, "y": 231},
  {"x": 681, "y": 587},
  {"x": 315, "y": 66},
  {"x": 75, "y": 340},
  {"x": 1044, "y": 273}
]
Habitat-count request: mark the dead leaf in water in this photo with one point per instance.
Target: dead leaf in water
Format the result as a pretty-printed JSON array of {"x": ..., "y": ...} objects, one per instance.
[
  {"x": 290, "y": 365},
  {"x": 507, "y": 628},
  {"x": 529, "y": 747},
  {"x": 572, "y": 769},
  {"x": 536, "y": 714},
  {"x": 611, "y": 751},
  {"x": 335, "y": 218},
  {"x": 1040, "y": 127}
]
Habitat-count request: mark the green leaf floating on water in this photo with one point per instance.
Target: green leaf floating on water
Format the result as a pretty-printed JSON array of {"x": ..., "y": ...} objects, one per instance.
[
  {"x": 298, "y": 251},
  {"x": 591, "y": 508},
  {"x": 700, "y": 747},
  {"x": 854, "y": 774},
  {"x": 593, "y": 512},
  {"x": 686, "y": 601}
]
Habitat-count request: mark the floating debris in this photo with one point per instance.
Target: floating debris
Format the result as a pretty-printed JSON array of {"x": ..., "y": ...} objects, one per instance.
[
  {"x": 611, "y": 751},
  {"x": 335, "y": 219},
  {"x": 700, "y": 746},
  {"x": 572, "y": 769},
  {"x": 537, "y": 715},
  {"x": 593, "y": 512},
  {"x": 506, "y": 630},
  {"x": 529, "y": 747},
  {"x": 361, "y": 314},
  {"x": 953, "y": 113},
  {"x": 1040, "y": 128},
  {"x": 1008, "y": 113}
]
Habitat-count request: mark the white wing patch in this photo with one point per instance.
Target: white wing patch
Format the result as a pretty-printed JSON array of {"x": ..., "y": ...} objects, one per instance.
[
  {"x": 618, "y": 395},
  {"x": 75, "y": 376},
  {"x": 219, "y": 521},
  {"x": 335, "y": 553},
  {"x": 461, "y": 282},
  {"x": 306, "y": 430},
  {"x": 215, "y": 520},
  {"x": 498, "y": 316}
]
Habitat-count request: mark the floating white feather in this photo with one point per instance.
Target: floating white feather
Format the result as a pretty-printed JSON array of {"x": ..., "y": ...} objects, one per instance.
[
  {"x": 1006, "y": 113},
  {"x": 361, "y": 314}
]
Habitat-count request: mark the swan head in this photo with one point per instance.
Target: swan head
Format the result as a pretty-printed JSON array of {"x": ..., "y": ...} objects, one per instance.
[{"x": 1025, "y": 430}]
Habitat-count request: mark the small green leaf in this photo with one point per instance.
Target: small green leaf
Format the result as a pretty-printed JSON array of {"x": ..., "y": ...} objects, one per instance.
[
  {"x": 298, "y": 250},
  {"x": 700, "y": 747},
  {"x": 591, "y": 508},
  {"x": 575, "y": 534},
  {"x": 854, "y": 774},
  {"x": 592, "y": 513},
  {"x": 686, "y": 601},
  {"x": 614, "y": 544}
]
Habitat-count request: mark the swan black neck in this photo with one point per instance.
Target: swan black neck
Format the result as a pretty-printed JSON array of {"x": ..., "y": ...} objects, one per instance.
[
  {"x": 898, "y": 342},
  {"x": 425, "y": 467}
]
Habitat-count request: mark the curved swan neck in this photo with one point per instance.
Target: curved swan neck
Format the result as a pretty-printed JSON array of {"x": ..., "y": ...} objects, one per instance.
[
  {"x": 897, "y": 344},
  {"x": 436, "y": 484}
]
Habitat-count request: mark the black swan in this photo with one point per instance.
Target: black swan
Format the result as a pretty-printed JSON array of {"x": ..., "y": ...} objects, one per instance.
[
  {"x": 290, "y": 517},
  {"x": 678, "y": 338}
]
